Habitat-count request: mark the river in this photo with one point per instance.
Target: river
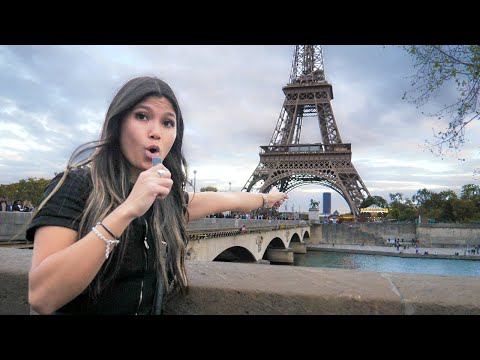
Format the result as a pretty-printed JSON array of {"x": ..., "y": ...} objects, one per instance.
[{"x": 379, "y": 263}]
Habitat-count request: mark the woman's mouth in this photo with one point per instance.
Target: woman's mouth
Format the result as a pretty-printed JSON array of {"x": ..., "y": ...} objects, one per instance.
[{"x": 153, "y": 151}]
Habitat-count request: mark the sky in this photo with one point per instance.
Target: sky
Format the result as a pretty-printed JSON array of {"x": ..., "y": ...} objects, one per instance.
[{"x": 53, "y": 98}]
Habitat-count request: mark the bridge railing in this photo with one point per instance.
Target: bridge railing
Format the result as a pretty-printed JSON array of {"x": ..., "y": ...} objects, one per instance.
[
  {"x": 222, "y": 224},
  {"x": 216, "y": 233},
  {"x": 11, "y": 223}
]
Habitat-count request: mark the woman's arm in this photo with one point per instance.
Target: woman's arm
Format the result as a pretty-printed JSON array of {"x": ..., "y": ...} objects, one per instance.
[
  {"x": 62, "y": 267},
  {"x": 209, "y": 202}
]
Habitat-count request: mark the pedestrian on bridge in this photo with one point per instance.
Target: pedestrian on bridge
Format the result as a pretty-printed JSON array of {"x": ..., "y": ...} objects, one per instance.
[
  {"x": 243, "y": 229},
  {"x": 110, "y": 231}
]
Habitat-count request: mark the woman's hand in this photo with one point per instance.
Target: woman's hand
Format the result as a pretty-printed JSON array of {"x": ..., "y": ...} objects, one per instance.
[
  {"x": 151, "y": 184},
  {"x": 275, "y": 199}
]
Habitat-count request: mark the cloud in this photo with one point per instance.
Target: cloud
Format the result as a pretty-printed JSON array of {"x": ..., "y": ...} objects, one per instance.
[{"x": 54, "y": 98}]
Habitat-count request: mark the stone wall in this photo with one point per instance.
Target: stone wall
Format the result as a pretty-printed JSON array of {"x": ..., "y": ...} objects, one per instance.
[
  {"x": 351, "y": 233},
  {"x": 256, "y": 289},
  {"x": 14, "y": 267},
  {"x": 448, "y": 235},
  {"x": 12, "y": 223},
  {"x": 428, "y": 235}
]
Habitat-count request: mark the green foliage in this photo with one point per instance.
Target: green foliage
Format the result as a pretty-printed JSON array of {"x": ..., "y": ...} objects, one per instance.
[
  {"x": 444, "y": 206},
  {"x": 377, "y": 200},
  {"x": 448, "y": 195},
  {"x": 408, "y": 213},
  {"x": 465, "y": 210},
  {"x": 398, "y": 197},
  {"x": 447, "y": 212},
  {"x": 30, "y": 189},
  {"x": 421, "y": 196},
  {"x": 209, "y": 188},
  {"x": 402, "y": 209},
  {"x": 470, "y": 192},
  {"x": 434, "y": 213},
  {"x": 394, "y": 214}
]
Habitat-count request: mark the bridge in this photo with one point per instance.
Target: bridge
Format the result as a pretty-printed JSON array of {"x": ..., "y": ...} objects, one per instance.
[
  {"x": 210, "y": 239},
  {"x": 274, "y": 241}
]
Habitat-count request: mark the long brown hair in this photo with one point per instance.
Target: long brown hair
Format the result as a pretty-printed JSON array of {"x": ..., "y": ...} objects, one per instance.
[{"x": 111, "y": 185}]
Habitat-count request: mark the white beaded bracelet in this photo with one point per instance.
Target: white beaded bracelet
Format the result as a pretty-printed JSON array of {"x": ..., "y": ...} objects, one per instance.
[
  {"x": 265, "y": 201},
  {"x": 108, "y": 242}
]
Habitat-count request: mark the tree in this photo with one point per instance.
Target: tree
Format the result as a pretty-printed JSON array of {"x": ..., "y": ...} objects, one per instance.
[
  {"x": 401, "y": 209},
  {"x": 30, "y": 189},
  {"x": 397, "y": 197},
  {"x": 470, "y": 192},
  {"x": 421, "y": 196},
  {"x": 394, "y": 214},
  {"x": 448, "y": 212},
  {"x": 465, "y": 210},
  {"x": 209, "y": 188},
  {"x": 447, "y": 195},
  {"x": 377, "y": 200},
  {"x": 443, "y": 65}
]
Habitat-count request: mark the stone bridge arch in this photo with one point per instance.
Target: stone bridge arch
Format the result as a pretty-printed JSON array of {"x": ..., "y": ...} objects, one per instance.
[{"x": 250, "y": 247}]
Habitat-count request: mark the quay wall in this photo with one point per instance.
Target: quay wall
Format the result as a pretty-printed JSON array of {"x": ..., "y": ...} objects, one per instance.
[
  {"x": 427, "y": 235},
  {"x": 448, "y": 235}
]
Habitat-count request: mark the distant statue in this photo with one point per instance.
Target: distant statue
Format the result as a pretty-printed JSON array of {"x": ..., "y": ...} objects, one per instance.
[{"x": 314, "y": 204}]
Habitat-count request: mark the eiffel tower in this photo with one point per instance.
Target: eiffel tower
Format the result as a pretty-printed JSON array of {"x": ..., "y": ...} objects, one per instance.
[{"x": 288, "y": 164}]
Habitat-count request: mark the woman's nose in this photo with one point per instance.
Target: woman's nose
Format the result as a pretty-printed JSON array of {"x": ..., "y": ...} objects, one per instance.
[
  {"x": 155, "y": 131},
  {"x": 154, "y": 136}
]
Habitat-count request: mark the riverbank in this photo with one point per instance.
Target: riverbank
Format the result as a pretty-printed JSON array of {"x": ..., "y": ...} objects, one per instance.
[{"x": 433, "y": 253}]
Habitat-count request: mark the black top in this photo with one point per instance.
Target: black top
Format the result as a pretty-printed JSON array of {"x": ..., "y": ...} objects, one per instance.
[{"x": 123, "y": 295}]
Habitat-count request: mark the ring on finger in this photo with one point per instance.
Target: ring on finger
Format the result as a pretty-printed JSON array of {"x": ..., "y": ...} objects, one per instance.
[{"x": 161, "y": 172}]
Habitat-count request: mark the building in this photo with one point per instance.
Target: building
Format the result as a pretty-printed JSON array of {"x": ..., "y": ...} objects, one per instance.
[{"x": 327, "y": 203}]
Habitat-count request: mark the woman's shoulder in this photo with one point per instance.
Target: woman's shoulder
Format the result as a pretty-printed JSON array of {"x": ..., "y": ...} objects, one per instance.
[
  {"x": 75, "y": 173},
  {"x": 78, "y": 177},
  {"x": 81, "y": 173},
  {"x": 65, "y": 203}
]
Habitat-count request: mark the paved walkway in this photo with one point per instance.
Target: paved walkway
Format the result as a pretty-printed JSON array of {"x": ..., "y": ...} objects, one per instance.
[{"x": 438, "y": 253}]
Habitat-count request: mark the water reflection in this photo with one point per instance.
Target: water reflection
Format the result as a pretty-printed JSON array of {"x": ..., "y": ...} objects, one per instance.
[{"x": 379, "y": 263}]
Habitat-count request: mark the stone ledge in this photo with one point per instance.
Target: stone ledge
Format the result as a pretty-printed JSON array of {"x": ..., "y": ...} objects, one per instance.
[
  {"x": 258, "y": 289},
  {"x": 14, "y": 267},
  {"x": 234, "y": 288}
]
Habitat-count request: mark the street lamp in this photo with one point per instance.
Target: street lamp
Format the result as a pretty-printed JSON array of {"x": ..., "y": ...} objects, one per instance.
[{"x": 194, "y": 180}]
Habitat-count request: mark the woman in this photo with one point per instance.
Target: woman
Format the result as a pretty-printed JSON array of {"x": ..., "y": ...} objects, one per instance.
[
  {"x": 109, "y": 234},
  {"x": 27, "y": 206},
  {"x": 4, "y": 204},
  {"x": 17, "y": 205}
]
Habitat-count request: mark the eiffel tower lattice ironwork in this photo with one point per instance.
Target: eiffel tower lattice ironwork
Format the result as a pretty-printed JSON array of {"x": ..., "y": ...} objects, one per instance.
[{"x": 286, "y": 163}]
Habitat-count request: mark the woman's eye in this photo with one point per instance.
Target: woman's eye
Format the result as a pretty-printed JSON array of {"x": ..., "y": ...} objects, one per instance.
[
  {"x": 169, "y": 123},
  {"x": 141, "y": 116}
]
